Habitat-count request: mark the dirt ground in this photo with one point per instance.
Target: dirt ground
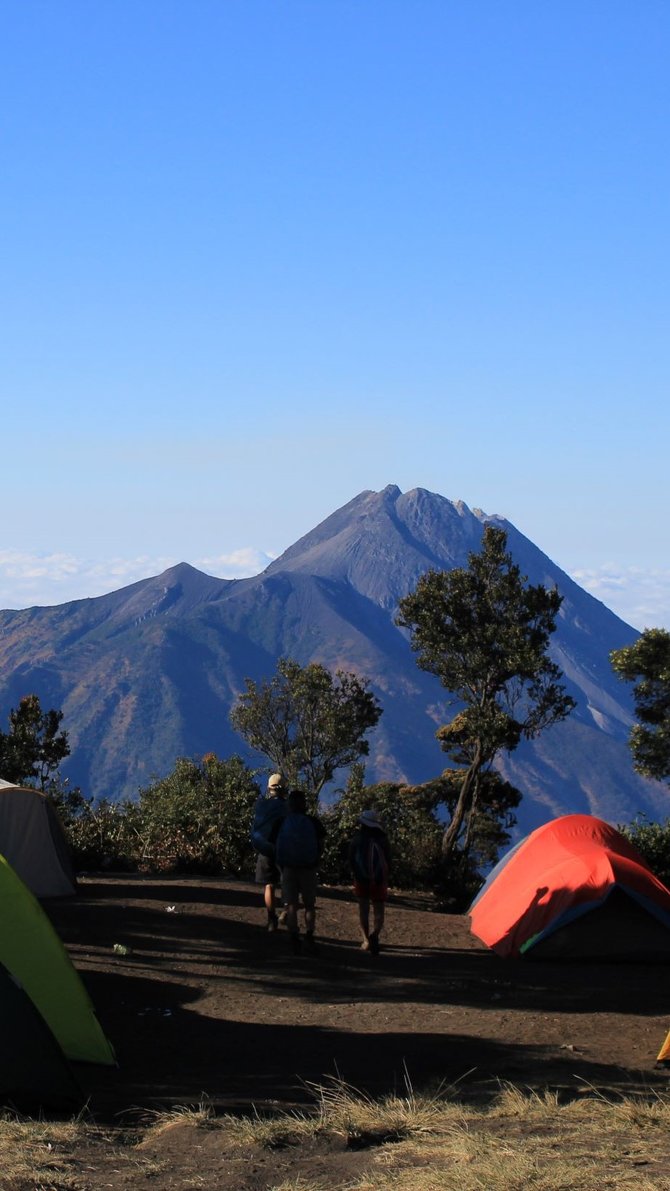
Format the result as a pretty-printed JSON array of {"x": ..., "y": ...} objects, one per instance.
[{"x": 206, "y": 1005}]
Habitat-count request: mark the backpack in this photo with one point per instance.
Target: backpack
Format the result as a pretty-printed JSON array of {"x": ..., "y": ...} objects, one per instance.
[
  {"x": 267, "y": 811},
  {"x": 369, "y": 860},
  {"x": 297, "y": 844}
]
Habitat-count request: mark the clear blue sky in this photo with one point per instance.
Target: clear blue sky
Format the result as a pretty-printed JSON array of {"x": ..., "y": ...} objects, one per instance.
[{"x": 259, "y": 255}]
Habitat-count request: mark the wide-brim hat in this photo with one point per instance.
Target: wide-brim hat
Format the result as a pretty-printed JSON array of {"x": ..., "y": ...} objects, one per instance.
[{"x": 370, "y": 819}]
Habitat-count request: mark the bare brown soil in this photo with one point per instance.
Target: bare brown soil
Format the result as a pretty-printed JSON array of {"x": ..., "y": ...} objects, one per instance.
[{"x": 206, "y": 1006}]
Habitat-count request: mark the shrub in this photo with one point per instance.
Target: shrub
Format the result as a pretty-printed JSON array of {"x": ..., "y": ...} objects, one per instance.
[
  {"x": 411, "y": 825},
  {"x": 652, "y": 841},
  {"x": 103, "y": 835},
  {"x": 199, "y": 817}
]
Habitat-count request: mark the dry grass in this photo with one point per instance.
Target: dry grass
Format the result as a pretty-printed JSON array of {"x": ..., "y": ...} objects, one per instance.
[
  {"x": 36, "y": 1152},
  {"x": 523, "y": 1141}
]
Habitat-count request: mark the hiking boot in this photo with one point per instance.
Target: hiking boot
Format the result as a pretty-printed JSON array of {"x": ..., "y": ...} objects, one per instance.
[
  {"x": 373, "y": 943},
  {"x": 273, "y": 922},
  {"x": 310, "y": 946},
  {"x": 296, "y": 945}
]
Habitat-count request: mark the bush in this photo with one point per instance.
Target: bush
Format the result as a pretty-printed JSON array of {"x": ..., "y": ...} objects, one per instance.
[
  {"x": 414, "y": 834},
  {"x": 199, "y": 817},
  {"x": 105, "y": 835},
  {"x": 652, "y": 841}
]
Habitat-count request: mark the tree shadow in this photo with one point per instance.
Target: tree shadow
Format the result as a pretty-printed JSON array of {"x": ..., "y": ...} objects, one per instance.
[{"x": 177, "y": 1005}]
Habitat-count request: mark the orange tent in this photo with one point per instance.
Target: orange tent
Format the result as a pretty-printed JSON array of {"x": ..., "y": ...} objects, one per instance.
[{"x": 574, "y": 888}]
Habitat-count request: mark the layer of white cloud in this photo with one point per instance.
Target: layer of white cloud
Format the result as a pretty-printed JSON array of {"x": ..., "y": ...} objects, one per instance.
[
  {"x": 640, "y": 597},
  {"x": 27, "y": 579}
]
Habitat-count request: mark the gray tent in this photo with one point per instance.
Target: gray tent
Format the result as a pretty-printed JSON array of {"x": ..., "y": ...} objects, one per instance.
[{"x": 33, "y": 842}]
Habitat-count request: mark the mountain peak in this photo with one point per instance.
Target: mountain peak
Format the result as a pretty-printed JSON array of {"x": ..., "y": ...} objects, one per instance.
[{"x": 380, "y": 542}]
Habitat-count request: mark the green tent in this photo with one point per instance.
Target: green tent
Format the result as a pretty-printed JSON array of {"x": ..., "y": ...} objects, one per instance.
[
  {"x": 34, "y": 1073},
  {"x": 32, "y": 952}
]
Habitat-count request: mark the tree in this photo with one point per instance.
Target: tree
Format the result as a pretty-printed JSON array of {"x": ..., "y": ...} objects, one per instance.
[
  {"x": 491, "y": 815},
  {"x": 409, "y": 817},
  {"x": 34, "y": 747},
  {"x": 307, "y": 722},
  {"x": 199, "y": 817},
  {"x": 647, "y": 664},
  {"x": 485, "y": 634},
  {"x": 652, "y": 841}
]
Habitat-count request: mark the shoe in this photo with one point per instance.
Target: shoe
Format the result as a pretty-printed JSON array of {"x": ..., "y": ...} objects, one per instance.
[
  {"x": 310, "y": 945},
  {"x": 365, "y": 945},
  {"x": 296, "y": 945},
  {"x": 282, "y": 918},
  {"x": 373, "y": 943},
  {"x": 273, "y": 922}
]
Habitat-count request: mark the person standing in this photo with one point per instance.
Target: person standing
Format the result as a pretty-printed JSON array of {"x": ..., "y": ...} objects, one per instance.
[
  {"x": 269, "y": 812},
  {"x": 299, "y": 844},
  {"x": 370, "y": 861}
]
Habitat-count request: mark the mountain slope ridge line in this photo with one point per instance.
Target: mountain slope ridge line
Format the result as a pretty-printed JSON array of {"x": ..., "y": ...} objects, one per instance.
[{"x": 149, "y": 672}]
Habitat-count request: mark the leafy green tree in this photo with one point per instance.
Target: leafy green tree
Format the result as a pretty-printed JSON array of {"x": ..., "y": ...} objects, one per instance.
[
  {"x": 307, "y": 722},
  {"x": 199, "y": 817},
  {"x": 34, "y": 747},
  {"x": 484, "y": 632},
  {"x": 646, "y": 663},
  {"x": 652, "y": 841},
  {"x": 492, "y": 814},
  {"x": 411, "y": 824}
]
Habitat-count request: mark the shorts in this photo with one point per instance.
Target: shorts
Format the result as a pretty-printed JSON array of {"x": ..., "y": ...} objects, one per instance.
[
  {"x": 267, "y": 872},
  {"x": 370, "y": 891},
  {"x": 296, "y": 881}
]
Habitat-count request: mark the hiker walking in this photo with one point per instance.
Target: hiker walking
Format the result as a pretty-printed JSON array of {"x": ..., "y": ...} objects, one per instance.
[
  {"x": 299, "y": 844},
  {"x": 370, "y": 860},
  {"x": 269, "y": 811}
]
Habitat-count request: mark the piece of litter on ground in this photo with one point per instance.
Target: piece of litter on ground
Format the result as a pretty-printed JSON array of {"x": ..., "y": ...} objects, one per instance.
[{"x": 170, "y": 909}]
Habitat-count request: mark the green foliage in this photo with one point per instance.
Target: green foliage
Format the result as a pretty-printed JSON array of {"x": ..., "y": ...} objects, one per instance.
[
  {"x": 33, "y": 749},
  {"x": 307, "y": 722},
  {"x": 647, "y": 665},
  {"x": 105, "y": 835},
  {"x": 652, "y": 841},
  {"x": 199, "y": 817},
  {"x": 492, "y": 818},
  {"x": 484, "y": 632},
  {"x": 411, "y": 824}
]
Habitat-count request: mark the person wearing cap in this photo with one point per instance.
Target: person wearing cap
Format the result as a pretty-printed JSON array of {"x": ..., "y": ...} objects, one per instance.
[
  {"x": 269, "y": 811},
  {"x": 370, "y": 860}
]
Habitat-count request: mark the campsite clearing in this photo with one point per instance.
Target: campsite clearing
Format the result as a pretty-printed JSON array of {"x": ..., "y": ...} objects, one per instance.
[{"x": 204, "y": 1007}]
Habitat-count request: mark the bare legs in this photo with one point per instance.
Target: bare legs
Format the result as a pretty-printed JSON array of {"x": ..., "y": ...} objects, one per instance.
[{"x": 370, "y": 938}]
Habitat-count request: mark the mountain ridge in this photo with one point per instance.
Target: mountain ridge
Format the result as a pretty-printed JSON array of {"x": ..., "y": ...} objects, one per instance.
[{"x": 149, "y": 672}]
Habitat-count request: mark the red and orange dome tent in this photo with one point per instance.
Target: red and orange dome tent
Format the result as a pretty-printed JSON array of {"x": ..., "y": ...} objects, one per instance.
[{"x": 574, "y": 888}]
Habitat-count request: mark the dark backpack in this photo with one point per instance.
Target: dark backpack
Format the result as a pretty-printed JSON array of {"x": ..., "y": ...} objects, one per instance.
[
  {"x": 266, "y": 814},
  {"x": 297, "y": 844},
  {"x": 369, "y": 860}
]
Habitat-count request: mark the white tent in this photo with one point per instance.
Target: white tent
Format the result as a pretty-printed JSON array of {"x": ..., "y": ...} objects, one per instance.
[{"x": 33, "y": 842}]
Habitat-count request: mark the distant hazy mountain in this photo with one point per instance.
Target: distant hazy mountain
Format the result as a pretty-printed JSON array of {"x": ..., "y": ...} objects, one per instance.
[{"x": 149, "y": 673}]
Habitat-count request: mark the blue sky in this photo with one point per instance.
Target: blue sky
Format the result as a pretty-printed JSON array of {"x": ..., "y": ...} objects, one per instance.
[{"x": 260, "y": 255}]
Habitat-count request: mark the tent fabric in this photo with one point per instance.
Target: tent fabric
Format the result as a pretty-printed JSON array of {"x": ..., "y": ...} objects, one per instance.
[
  {"x": 33, "y": 841},
  {"x": 32, "y": 952},
  {"x": 34, "y": 1073},
  {"x": 565, "y": 870}
]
